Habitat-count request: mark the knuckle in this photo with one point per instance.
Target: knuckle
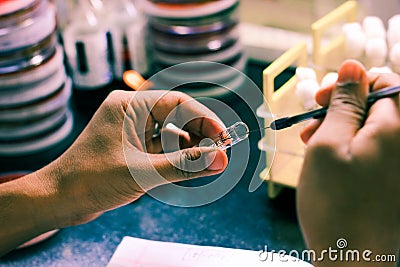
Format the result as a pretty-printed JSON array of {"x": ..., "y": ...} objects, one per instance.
[
  {"x": 179, "y": 95},
  {"x": 118, "y": 96},
  {"x": 184, "y": 168},
  {"x": 348, "y": 104},
  {"x": 115, "y": 95},
  {"x": 118, "y": 100},
  {"x": 112, "y": 100}
]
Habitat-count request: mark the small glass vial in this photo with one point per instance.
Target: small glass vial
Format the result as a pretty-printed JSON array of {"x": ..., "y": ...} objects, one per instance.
[
  {"x": 228, "y": 138},
  {"x": 128, "y": 28},
  {"x": 87, "y": 48}
]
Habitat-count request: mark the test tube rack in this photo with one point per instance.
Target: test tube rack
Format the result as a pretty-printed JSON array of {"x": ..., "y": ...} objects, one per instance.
[
  {"x": 328, "y": 53},
  {"x": 286, "y": 151}
]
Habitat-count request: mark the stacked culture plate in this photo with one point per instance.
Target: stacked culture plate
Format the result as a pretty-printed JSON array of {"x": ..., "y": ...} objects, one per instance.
[
  {"x": 34, "y": 89},
  {"x": 196, "y": 31}
]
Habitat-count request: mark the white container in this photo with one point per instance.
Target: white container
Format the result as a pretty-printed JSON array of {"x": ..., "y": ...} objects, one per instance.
[
  {"x": 128, "y": 29},
  {"x": 86, "y": 46},
  {"x": 30, "y": 31}
]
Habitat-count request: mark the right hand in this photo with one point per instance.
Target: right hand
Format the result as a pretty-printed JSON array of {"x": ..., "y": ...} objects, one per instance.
[{"x": 350, "y": 182}]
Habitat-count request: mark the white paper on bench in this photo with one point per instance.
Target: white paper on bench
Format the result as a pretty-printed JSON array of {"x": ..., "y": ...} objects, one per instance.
[{"x": 145, "y": 253}]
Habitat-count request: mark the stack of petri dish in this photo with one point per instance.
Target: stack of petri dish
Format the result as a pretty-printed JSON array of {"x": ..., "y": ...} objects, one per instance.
[
  {"x": 197, "y": 31},
  {"x": 34, "y": 88}
]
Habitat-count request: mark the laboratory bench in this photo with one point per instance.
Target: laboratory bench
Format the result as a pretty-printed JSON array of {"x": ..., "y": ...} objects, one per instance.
[{"x": 239, "y": 219}]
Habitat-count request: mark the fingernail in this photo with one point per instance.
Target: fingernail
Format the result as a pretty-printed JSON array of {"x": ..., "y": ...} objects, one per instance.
[
  {"x": 350, "y": 72},
  {"x": 217, "y": 164}
]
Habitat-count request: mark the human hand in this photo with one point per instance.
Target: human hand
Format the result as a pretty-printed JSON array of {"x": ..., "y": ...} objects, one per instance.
[
  {"x": 349, "y": 184},
  {"x": 94, "y": 176},
  {"x": 114, "y": 161}
]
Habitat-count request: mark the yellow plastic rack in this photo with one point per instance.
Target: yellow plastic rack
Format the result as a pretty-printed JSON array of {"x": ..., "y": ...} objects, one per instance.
[{"x": 327, "y": 56}]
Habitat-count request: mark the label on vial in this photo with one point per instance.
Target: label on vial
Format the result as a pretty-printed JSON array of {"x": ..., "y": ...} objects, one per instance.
[
  {"x": 88, "y": 57},
  {"x": 129, "y": 50},
  {"x": 136, "y": 37},
  {"x": 116, "y": 40}
]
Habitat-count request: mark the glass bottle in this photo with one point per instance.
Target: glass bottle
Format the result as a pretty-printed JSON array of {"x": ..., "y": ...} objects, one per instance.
[
  {"x": 86, "y": 43},
  {"x": 128, "y": 27}
]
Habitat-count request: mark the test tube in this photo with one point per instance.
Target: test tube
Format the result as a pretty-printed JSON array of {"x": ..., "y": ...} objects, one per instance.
[{"x": 229, "y": 137}]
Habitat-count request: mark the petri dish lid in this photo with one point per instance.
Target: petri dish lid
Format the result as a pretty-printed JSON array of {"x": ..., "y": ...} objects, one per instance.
[
  {"x": 29, "y": 93},
  {"x": 42, "y": 143},
  {"x": 225, "y": 15},
  {"x": 194, "y": 10},
  {"x": 194, "y": 30},
  {"x": 27, "y": 129},
  {"x": 32, "y": 75},
  {"x": 204, "y": 71},
  {"x": 221, "y": 56},
  {"x": 202, "y": 44},
  {"x": 31, "y": 33},
  {"x": 28, "y": 57},
  {"x": 39, "y": 109},
  {"x": 15, "y": 7},
  {"x": 206, "y": 88}
]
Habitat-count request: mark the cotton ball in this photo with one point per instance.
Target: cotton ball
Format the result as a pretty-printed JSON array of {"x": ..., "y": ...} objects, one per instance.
[
  {"x": 393, "y": 34},
  {"x": 393, "y": 37},
  {"x": 306, "y": 90},
  {"x": 355, "y": 44},
  {"x": 329, "y": 79},
  {"x": 351, "y": 27},
  {"x": 304, "y": 73},
  {"x": 394, "y": 21},
  {"x": 395, "y": 57},
  {"x": 372, "y": 21},
  {"x": 376, "y": 52},
  {"x": 381, "y": 70},
  {"x": 373, "y": 27}
]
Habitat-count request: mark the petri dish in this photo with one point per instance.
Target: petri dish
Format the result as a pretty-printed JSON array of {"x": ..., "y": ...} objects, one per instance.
[
  {"x": 195, "y": 45},
  {"x": 220, "y": 56},
  {"x": 41, "y": 108},
  {"x": 35, "y": 145},
  {"x": 29, "y": 93},
  {"x": 13, "y": 10},
  {"x": 28, "y": 129},
  {"x": 28, "y": 57},
  {"x": 31, "y": 32},
  {"x": 35, "y": 74},
  {"x": 194, "y": 10}
]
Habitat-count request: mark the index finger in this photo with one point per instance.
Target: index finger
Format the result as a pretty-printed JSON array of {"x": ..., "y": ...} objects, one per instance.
[
  {"x": 384, "y": 111},
  {"x": 183, "y": 111},
  {"x": 377, "y": 81}
]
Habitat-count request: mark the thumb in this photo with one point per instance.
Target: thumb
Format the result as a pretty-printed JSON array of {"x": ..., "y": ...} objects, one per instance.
[
  {"x": 191, "y": 163},
  {"x": 347, "y": 108}
]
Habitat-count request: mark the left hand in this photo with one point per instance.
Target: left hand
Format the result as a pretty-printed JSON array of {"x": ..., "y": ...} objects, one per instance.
[
  {"x": 114, "y": 161},
  {"x": 117, "y": 159}
]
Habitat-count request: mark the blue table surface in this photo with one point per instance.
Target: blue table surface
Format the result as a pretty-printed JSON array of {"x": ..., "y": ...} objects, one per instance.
[{"x": 240, "y": 219}]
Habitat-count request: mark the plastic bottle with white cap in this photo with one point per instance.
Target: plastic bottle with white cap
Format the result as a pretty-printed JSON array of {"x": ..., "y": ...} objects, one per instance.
[
  {"x": 87, "y": 48},
  {"x": 128, "y": 28}
]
